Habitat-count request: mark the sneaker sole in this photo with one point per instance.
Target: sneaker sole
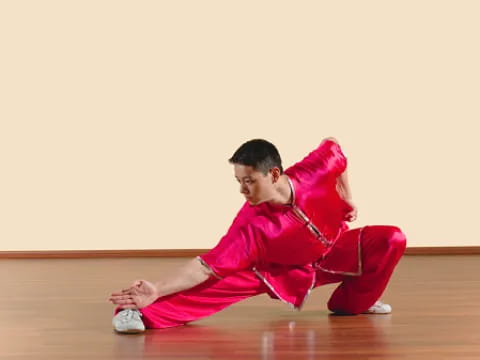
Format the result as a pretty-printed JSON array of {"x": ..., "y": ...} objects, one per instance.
[
  {"x": 376, "y": 313},
  {"x": 131, "y": 331}
]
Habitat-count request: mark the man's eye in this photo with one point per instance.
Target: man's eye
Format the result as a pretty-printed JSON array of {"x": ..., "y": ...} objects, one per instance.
[{"x": 245, "y": 181}]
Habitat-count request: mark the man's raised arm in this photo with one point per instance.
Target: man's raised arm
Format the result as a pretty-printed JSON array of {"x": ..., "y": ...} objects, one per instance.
[{"x": 343, "y": 188}]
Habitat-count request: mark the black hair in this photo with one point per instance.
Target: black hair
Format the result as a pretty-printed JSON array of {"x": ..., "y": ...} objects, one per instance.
[{"x": 258, "y": 153}]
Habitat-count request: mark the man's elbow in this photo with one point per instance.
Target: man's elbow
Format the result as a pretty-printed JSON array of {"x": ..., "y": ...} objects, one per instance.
[{"x": 331, "y": 138}]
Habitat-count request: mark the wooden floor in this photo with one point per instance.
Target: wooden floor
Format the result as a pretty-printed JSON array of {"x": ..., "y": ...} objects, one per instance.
[{"x": 58, "y": 309}]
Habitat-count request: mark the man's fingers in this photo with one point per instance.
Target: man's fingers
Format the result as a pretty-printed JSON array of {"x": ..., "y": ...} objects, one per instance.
[
  {"x": 122, "y": 292},
  {"x": 123, "y": 301},
  {"x": 131, "y": 290},
  {"x": 121, "y": 297},
  {"x": 126, "y": 301},
  {"x": 136, "y": 283},
  {"x": 351, "y": 217}
]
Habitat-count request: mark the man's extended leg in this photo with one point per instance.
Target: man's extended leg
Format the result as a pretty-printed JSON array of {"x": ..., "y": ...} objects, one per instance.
[
  {"x": 381, "y": 249},
  {"x": 203, "y": 300}
]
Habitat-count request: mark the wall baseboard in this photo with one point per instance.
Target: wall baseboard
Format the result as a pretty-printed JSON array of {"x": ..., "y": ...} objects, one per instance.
[
  {"x": 443, "y": 250},
  {"x": 83, "y": 254}
]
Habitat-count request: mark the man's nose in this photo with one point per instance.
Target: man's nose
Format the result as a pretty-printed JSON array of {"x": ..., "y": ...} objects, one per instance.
[{"x": 243, "y": 189}]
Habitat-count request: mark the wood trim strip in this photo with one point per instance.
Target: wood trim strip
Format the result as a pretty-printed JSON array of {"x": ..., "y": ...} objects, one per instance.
[
  {"x": 81, "y": 254},
  {"x": 443, "y": 250}
]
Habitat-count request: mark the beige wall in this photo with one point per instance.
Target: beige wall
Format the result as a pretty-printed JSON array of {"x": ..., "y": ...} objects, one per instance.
[{"x": 117, "y": 117}]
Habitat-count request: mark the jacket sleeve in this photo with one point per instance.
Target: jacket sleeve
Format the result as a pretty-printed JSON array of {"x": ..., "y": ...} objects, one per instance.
[
  {"x": 325, "y": 162},
  {"x": 236, "y": 251}
]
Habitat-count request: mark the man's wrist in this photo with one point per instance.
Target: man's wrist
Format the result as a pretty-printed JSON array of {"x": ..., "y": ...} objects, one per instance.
[{"x": 158, "y": 291}]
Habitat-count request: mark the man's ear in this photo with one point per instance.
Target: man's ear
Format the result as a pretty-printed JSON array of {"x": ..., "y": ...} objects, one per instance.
[{"x": 275, "y": 174}]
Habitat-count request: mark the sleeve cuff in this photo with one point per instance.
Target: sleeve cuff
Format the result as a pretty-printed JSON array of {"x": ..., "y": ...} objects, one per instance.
[{"x": 209, "y": 268}]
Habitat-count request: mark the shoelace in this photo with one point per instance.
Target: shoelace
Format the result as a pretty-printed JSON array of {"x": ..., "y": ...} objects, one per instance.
[
  {"x": 129, "y": 314},
  {"x": 377, "y": 306}
]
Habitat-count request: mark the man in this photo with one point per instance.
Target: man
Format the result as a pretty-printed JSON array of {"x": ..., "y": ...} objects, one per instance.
[{"x": 289, "y": 237}]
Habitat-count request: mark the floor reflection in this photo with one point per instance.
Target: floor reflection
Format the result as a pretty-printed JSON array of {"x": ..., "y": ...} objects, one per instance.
[{"x": 300, "y": 339}]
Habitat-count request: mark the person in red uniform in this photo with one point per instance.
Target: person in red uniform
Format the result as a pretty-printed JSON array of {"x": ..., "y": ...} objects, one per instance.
[{"x": 289, "y": 237}]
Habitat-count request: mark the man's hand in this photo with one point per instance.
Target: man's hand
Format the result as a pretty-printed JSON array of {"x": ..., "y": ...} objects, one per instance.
[
  {"x": 143, "y": 293},
  {"x": 351, "y": 215},
  {"x": 139, "y": 295}
]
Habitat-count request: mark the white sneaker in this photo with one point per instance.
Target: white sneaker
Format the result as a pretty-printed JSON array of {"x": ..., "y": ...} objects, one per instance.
[
  {"x": 128, "y": 321},
  {"x": 379, "y": 308}
]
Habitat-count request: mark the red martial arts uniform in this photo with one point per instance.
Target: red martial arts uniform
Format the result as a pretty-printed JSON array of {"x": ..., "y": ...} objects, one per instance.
[{"x": 287, "y": 250}]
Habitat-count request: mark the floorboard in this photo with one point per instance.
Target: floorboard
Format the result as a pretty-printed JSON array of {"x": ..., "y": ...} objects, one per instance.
[{"x": 57, "y": 309}]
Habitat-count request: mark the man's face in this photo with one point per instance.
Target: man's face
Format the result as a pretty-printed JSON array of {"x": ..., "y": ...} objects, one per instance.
[{"x": 254, "y": 185}]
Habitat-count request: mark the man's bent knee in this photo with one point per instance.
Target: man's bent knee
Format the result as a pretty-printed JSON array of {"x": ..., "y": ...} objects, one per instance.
[{"x": 397, "y": 239}]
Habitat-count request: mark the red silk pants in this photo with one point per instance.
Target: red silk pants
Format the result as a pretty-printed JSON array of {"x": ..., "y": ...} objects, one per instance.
[{"x": 382, "y": 248}]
